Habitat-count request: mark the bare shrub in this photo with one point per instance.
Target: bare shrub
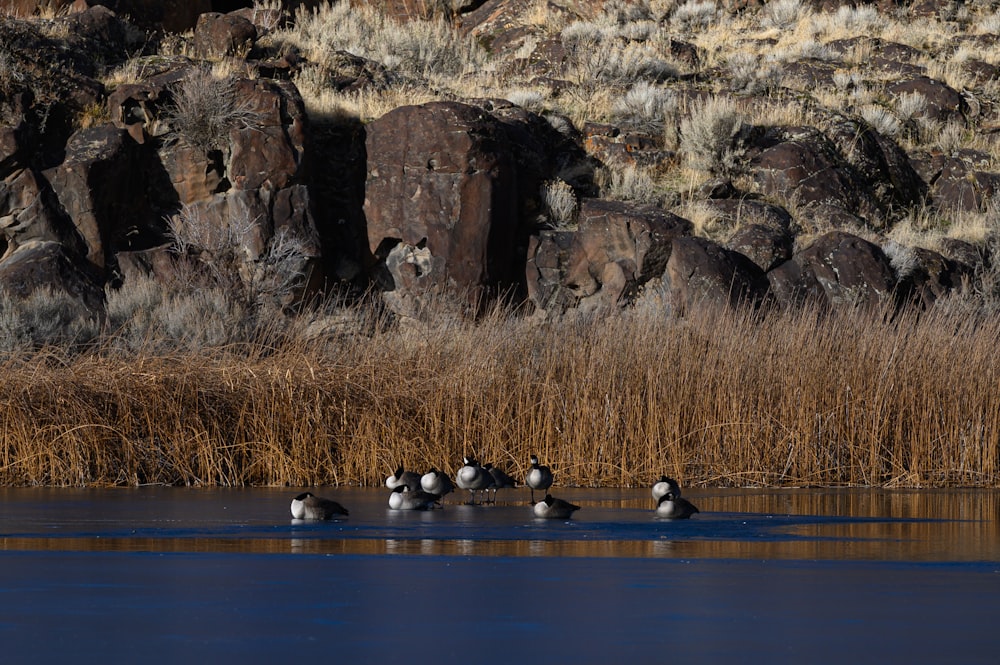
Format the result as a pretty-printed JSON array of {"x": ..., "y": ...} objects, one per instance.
[
  {"x": 532, "y": 100},
  {"x": 751, "y": 74},
  {"x": 44, "y": 318},
  {"x": 710, "y": 135},
  {"x": 621, "y": 65},
  {"x": 902, "y": 259},
  {"x": 783, "y": 14},
  {"x": 951, "y": 136},
  {"x": 630, "y": 183},
  {"x": 559, "y": 203},
  {"x": 882, "y": 120},
  {"x": 269, "y": 281},
  {"x": 646, "y": 107},
  {"x": 206, "y": 108},
  {"x": 694, "y": 15}
]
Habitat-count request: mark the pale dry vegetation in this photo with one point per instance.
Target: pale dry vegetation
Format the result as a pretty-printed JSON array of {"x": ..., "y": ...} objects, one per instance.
[{"x": 719, "y": 398}]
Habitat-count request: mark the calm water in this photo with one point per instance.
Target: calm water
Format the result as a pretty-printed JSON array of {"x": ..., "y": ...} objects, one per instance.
[{"x": 164, "y": 574}]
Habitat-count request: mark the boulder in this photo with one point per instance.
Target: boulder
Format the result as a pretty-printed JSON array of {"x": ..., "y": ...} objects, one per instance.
[
  {"x": 766, "y": 246},
  {"x": 943, "y": 102},
  {"x": 219, "y": 35},
  {"x": 28, "y": 213},
  {"x": 47, "y": 264},
  {"x": 617, "y": 248},
  {"x": 959, "y": 186},
  {"x": 838, "y": 269},
  {"x": 97, "y": 190},
  {"x": 879, "y": 161},
  {"x": 441, "y": 199},
  {"x": 169, "y": 15},
  {"x": 700, "y": 271},
  {"x": 802, "y": 165},
  {"x": 932, "y": 276}
]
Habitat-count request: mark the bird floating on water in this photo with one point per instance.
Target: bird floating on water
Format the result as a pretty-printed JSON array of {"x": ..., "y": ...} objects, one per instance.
[
  {"x": 664, "y": 485},
  {"x": 402, "y": 498},
  {"x": 553, "y": 508},
  {"x": 307, "y": 506},
  {"x": 674, "y": 507}
]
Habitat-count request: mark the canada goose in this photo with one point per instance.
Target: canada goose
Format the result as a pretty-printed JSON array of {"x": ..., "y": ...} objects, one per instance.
[
  {"x": 401, "y": 498},
  {"x": 473, "y": 477},
  {"x": 307, "y": 506},
  {"x": 552, "y": 508},
  {"x": 436, "y": 482},
  {"x": 674, "y": 507},
  {"x": 538, "y": 477},
  {"x": 409, "y": 478},
  {"x": 664, "y": 485},
  {"x": 499, "y": 481}
]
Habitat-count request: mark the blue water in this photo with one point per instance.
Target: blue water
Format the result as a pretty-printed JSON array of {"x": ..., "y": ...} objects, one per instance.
[{"x": 172, "y": 575}]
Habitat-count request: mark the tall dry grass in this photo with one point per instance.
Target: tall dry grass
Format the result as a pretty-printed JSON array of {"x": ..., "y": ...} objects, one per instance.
[{"x": 717, "y": 398}]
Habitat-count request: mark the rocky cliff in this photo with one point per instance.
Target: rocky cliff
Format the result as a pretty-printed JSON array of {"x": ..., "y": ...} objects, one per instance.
[{"x": 568, "y": 156}]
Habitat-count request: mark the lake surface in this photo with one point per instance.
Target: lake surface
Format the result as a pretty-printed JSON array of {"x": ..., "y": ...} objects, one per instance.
[{"x": 820, "y": 576}]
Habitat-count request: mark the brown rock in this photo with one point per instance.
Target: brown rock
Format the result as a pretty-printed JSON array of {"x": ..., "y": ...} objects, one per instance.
[
  {"x": 702, "y": 272},
  {"x": 943, "y": 102},
  {"x": 960, "y": 186},
  {"x": 845, "y": 269},
  {"x": 933, "y": 276},
  {"x": 441, "y": 197},
  {"x": 801, "y": 165},
  {"x": 219, "y": 35},
  {"x": 92, "y": 188},
  {"x": 47, "y": 264},
  {"x": 617, "y": 248},
  {"x": 766, "y": 246}
]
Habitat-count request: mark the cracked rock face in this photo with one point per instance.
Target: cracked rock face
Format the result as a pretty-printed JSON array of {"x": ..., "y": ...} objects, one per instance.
[
  {"x": 617, "y": 248},
  {"x": 838, "y": 269},
  {"x": 441, "y": 198}
]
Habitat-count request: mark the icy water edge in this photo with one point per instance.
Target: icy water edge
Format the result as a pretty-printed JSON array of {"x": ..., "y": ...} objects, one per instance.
[{"x": 794, "y": 576}]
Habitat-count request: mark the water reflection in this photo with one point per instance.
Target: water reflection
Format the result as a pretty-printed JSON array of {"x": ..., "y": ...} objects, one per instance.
[{"x": 878, "y": 525}]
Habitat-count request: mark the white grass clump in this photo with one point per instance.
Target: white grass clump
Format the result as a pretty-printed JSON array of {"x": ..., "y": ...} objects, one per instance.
[
  {"x": 902, "y": 259},
  {"x": 646, "y": 106},
  {"x": 882, "y": 120},
  {"x": 559, "y": 203},
  {"x": 694, "y": 14},
  {"x": 629, "y": 183},
  {"x": 530, "y": 99},
  {"x": 709, "y": 135},
  {"x": 783, "y": 14}
]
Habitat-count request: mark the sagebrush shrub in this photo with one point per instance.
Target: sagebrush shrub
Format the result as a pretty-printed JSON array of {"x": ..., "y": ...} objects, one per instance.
[
  {"x": 206, "y": 107},
  {"x": 710, "y": 135}
]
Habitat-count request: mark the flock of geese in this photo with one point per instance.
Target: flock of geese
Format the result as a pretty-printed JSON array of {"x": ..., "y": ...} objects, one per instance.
[{"x": 410, "y": 490}]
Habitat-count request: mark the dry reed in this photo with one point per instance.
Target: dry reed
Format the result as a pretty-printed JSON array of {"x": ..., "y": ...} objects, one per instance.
[{"x": 718, "y": 398}]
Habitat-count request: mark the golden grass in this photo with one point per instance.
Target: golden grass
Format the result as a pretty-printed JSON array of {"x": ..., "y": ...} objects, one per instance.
[{"x": 719, "y": 398}]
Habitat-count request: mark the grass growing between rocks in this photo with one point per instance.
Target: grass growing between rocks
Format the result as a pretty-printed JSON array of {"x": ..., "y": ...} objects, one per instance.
[{"x": 717, "y": 399}]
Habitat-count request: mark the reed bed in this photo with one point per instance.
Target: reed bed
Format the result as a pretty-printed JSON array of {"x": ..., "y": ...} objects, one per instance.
[{"x": 718, "y": 398}]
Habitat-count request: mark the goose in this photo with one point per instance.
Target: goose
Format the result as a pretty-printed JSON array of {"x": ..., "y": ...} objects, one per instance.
[
  {"x": 409, "y": 478},
  {"x": 499, "y": 481},
  {"x": 473, "y": 477},
  {"x": 538, "y": 477},
  {"x": 436, "y": 482},
  {"x": 307, "y": 506},
  {"x": 402, "y": 498},
  {"x": 674, "y": 507},
  {"x": 664, "y": 485},
  {"x": 553, "y": 508}
]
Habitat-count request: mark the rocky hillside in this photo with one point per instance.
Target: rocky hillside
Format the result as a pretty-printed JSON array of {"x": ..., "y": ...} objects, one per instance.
[{"x": 570, "y": 155}]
